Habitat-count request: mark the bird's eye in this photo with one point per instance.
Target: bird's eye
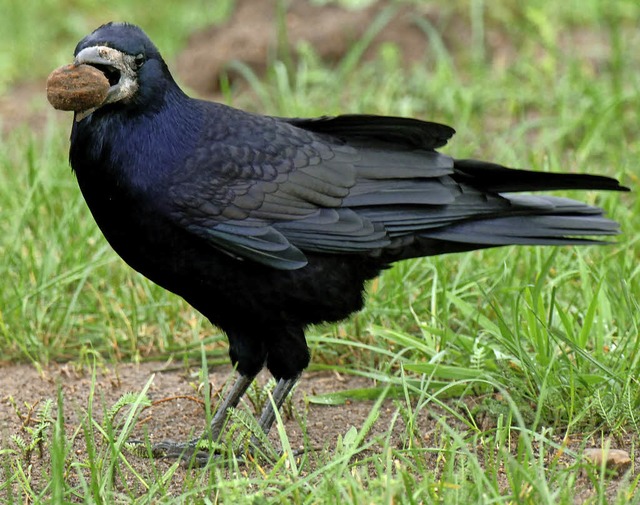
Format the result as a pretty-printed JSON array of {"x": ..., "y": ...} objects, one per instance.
[{"x": 139, "y": 60}]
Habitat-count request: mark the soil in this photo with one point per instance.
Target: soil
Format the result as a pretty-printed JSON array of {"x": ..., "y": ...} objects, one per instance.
[
  {"x": 249, "y": 36},
  {"x": 177, "y": 413}
]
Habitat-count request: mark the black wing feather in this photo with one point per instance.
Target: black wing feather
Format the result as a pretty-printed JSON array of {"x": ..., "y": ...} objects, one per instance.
[
  {"x": 386, "y": 131},
  {"x": 274, "y": 188}
]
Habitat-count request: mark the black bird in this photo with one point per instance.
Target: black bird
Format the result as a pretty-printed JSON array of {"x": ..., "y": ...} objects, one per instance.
[{"x": 267, "y": 225}]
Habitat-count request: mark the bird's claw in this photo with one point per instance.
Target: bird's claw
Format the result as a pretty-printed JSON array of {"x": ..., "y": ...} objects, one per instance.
[
  {"x": 198, "y": 452},
  {"x": 194, "y": 452}
]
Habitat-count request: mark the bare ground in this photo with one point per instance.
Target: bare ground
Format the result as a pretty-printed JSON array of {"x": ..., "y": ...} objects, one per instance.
[{"x": 177, "y": 413}]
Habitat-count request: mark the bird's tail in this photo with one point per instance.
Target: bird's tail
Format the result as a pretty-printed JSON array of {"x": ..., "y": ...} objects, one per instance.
[
  {"x": 543, "y": 220},
  {"x": 495, "y": 178},
  {"x": 531, "y": 219}
]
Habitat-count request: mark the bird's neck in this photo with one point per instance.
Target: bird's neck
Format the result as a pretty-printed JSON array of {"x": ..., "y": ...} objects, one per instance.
[{"x": 136, "y": 147}]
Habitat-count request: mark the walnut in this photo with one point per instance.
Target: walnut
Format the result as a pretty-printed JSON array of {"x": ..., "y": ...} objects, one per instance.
[{"x": 77, "y": 87}]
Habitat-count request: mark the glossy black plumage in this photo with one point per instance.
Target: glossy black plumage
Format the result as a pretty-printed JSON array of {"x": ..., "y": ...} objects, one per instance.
[{"x": 266, "y": 225}]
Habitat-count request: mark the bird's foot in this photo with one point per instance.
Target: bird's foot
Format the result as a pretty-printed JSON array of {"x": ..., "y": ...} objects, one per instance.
[{"x": 196, "y": 452}]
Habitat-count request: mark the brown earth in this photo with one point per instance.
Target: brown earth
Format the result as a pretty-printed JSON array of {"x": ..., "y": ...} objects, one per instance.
[
  {"x": 177, "y": 413},
  {"x": 178, "y": 408},
  {"x": 250, "y": 37}
]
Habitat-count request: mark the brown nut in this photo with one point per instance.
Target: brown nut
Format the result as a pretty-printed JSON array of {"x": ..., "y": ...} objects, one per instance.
[
  {"x": 76, "y": 87},
  {"x": 617, "y": 460}
]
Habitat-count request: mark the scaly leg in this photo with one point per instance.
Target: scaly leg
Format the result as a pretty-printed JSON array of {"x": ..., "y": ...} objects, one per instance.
[
  {"x": 194, "y": 448},
  {"x": 231, "y": 401},
  {"x": 268, "y": 415}
]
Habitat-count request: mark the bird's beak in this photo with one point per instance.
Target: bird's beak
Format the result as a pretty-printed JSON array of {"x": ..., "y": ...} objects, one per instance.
[{"x": 118, "y": 68}]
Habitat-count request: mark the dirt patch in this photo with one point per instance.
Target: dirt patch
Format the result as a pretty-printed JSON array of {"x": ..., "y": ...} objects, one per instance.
[
  {"x": 178, "y": 414},
  {"x": 25, "y": 105},
  {"x": 253, "y": 36}
]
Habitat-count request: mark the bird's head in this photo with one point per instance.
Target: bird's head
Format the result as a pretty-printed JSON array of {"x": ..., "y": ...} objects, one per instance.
[{"x": 129, "y": 60}]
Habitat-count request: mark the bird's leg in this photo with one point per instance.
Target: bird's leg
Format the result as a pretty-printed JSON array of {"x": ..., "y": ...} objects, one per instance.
[
  {"x": 268, "y": 415},
  {"x": 199, "y": 449},
  {"x": 196, "y": 448},
  {"x": 230, "y": 401}
]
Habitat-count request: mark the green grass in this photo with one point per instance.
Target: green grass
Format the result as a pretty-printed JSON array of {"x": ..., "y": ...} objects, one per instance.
[{"x": 548, "y": 337}]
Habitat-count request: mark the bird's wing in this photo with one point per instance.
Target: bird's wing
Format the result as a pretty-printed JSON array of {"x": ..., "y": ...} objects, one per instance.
[
  {"x": 386, "y": 130},
  {"x": 265, "y": 189},
  {"x": 269, "y": 190}
]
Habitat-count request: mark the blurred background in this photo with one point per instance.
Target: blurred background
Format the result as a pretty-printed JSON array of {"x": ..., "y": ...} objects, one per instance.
[{"x": 445, "y": 60}]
